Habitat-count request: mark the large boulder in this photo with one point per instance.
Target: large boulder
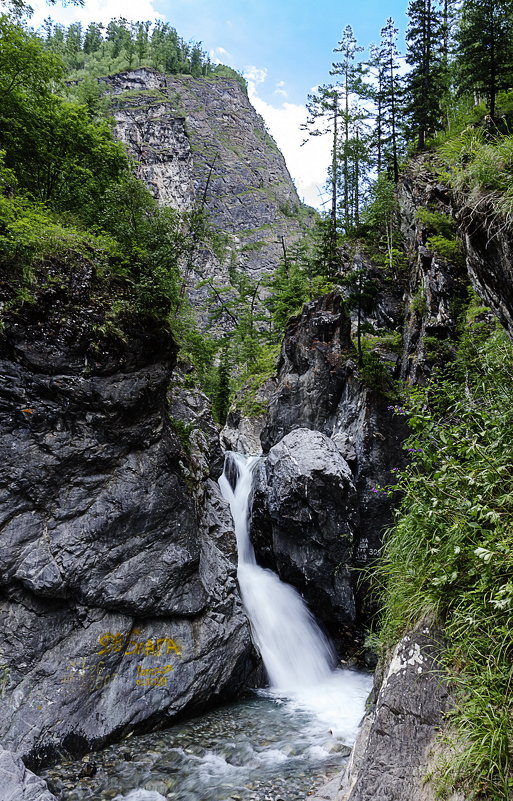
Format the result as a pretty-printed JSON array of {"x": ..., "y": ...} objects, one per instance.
[
  {"x": 396, "y": 753},
  {"x": 303, "y": 522},
  {"x": 319, "y": 386},
  {"x": 19, "y": 784},
  {"x": 119, "y": 605}
]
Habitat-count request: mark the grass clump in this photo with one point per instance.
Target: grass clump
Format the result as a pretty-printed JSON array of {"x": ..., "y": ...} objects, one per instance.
[{"x": 450, "y": 553}]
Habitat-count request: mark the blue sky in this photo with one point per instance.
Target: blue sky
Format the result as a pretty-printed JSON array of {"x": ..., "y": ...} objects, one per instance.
[{"x": 284, "y": 48}]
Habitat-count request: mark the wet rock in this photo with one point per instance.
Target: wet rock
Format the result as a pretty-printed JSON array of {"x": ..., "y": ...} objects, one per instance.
[
  {"x": 19, "y": 784},
  {"x": 318, "y": 387},
  {"x": 304, "y": 515},
  {"x": 119, "y": 605}
]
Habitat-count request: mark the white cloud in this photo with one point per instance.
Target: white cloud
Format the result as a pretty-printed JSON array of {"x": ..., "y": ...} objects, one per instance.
[
  {"x": 280, "y": 89},
  {"x": 307, "y": 164},
  {"x": 220, "y": 56},
  {"x": 254, "y": 76},
  {"x": 94, "y": 11}
]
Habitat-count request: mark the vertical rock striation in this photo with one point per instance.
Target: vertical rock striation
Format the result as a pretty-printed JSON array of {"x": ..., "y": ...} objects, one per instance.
[{"x": 119, "y": 605}]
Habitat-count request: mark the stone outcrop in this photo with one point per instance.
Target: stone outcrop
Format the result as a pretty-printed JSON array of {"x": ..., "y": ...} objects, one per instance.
[
  {"x": 119, "y": 605},
  {"x": 319, "y": 387},
  {"x": 200, "y": 143},
  {"x": 392, "y": 752},
  {"x": 397, "y": 751},
  {"x": 304, "y": 520},
  {"x": 19, "y": 784},
  {"x": 437, "y": 287},
  {"x": 489, "y": 251}
]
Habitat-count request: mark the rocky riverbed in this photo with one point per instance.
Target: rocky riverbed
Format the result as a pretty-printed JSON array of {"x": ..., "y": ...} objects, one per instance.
[{"x": 264, "y": 748}]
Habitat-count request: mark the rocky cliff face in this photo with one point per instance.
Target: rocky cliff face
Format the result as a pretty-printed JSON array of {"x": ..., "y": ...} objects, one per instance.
[
  {"x": 399, "y": 750},
  {"x": 305, "y": 518},
  {"x": 319, "y": 387},
  {"x": 199, "y": 142},
  {"x": 119, "y": 606},
  {"x": 395, "y": 755},
  {"x": 489, "y": 258},
  {"x": 437, "y": 287}
]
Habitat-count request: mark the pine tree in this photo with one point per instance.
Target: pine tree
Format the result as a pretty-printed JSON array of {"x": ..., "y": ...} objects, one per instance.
[
  {"x": 222, "y": 388},
  {"x": 350, "y": 84},
  {"x": 324, "y": 117},
  {"x": 485, "y": 48},
  {"x": 390, "y": 92},
  {"x": 426, "y": 82}
]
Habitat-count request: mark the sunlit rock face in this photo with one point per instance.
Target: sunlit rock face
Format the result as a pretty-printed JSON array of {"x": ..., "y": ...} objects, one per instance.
[
  {"x": 119, "y": 605},
  {"x": 199, "y": 144}
]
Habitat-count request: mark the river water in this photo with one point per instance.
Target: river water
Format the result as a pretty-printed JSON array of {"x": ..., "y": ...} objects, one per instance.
[{"x": 279, "y": 744}]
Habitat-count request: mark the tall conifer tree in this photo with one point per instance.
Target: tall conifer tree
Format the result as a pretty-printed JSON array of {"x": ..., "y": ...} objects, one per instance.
[
  {"x": 349, "y": 72},
  {"x": 426, "y": 83},
  {"x": 485, "y": 48},
  {"x": 390, "y": 90}
]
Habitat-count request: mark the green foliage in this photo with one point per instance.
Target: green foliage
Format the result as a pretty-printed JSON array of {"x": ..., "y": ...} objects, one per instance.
[
  {"x": 28, "y": 231},
  {"x": 484, "y": 58},
  {"x": 448, "y": 249},
  {"x": 57, "y": 153},
  {"x": 222, "y": 71},
  {"x": 289, "y": 292},
  {"x": 436, "y": 221},
  {"x": 427, "y": 79},
  {"x": 418, "y": 303},
  {"x": 124, "y": 45},
  {"x": 437, "y": 350},
  {"x": 481, "y": 167},
  {"x": 183, "y": 431},
  {"x": 449, "y": 553},
  {"x": 222, "y": 392},
  {"x": 67, "y": 186},
  {"x": 373, "y": 370},
  {"x": 379, "y": 218}
]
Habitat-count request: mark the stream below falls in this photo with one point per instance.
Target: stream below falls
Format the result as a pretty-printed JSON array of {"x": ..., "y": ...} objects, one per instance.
[
  {"x": 264, "y": 748},
  {"x": 279, "y": 744}
]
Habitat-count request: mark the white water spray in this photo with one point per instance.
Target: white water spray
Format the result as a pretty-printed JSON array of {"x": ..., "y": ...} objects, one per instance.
[{"x": 295, "y": 652}]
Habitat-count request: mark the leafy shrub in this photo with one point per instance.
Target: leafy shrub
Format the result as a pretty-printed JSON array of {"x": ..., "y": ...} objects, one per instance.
[
  {"x": 418, "y": 302},
  {"x": 449, "y": 249},
  {"x": 449, "y": 554},
  {"x": 436, "y": 221}
]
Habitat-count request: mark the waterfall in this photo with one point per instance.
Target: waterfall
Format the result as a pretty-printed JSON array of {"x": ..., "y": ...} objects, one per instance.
[{"x": 295, "y": 652}]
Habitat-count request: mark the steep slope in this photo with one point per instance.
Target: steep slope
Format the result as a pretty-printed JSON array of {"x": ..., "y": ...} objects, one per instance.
[{"x": 199, "y": 143}]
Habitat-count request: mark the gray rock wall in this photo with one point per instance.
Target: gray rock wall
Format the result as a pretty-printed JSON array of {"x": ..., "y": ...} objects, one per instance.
[
  {"x": 199, "y": 141},
  {"x": 437, "y": 288},
  {"x": 118, "y": 599},
  {"x": 318, "y": 387},
  {"x": 304, "y": 520},
  {"x": 19, "y": 784}
]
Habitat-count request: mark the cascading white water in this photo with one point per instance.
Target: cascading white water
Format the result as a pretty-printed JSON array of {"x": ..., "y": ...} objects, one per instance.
[{"x": 295, "y": 652}]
